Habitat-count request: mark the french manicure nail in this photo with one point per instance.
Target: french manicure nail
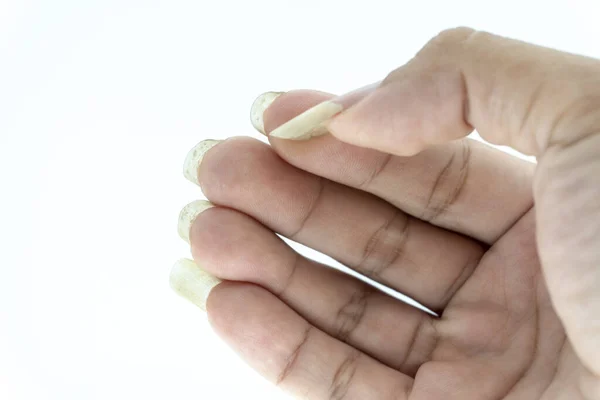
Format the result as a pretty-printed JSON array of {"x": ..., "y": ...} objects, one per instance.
[
  {"x": 188, "y": 215},
  {"x": 194, "y": 158},
  {"x": 258, "y": 108},
  {"x": 192, "y": 282},
  {"x": 313, "y": 122}
]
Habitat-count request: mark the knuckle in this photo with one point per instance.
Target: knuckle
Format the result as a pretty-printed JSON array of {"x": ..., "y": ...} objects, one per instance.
[
  {"x": 454, "y": 35},
  {"x": 350, "y": 315},
  {"x": 450, "y": 41},
  {"x": 385, "y": 246},
  {"x": 440, "y": 52},
  {"x": 449, "y": 183}
]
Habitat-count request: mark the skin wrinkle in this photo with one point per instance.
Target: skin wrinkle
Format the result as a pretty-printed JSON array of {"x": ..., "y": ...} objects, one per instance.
[
  {"x": 436, "y": 337},
  {"x": 534, "y": 98},
  {"x": 402, "y": 365},
  {"x": 555, "y": 369},
  {"x": 289, "y": 365},
  {"x": 322, "y": 183},
  {"x": 370, "y": 246},
  {"x": 397, "y": 250},
  {"x": 461, "y": 279},
  {"x": 434, "y": 189},
  {"x": 466, "y": 106},
  {"x": 297, "y": 259},
  {"x": 516, "y": 221},
  {"x": 504, "y": 306},
  {"x": 379, "y": 237},
  {"x": 448, "y": 45},
  {"x": 471, "y": 36},
  {"x": 376, "y": 172},
  {"x": 584, "y": 110},
  {"x": 344, "y": 375},
  {"x": 536, "y": 341},
  {"x": 485, "y": 347},
  {"x": 546, "y": 306},
  {"x": 352, "y": 313},
  {"x": 565, "y": 146},
  {"x": 457, "y": 186}
]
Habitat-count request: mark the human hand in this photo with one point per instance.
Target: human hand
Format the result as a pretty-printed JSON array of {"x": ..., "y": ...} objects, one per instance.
[{"x": 397, "y": 193}]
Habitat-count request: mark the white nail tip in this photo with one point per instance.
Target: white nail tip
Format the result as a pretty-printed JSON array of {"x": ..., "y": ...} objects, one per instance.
[
  {"x": 310, "y": 123},
  {"x": 192, "y": 282},
  {"x": 258, "y": 108},
  {"x": 188, "y": 215},
  {"x": 194, "y": 158}
]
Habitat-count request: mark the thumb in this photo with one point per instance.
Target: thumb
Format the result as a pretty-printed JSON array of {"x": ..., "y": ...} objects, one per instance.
[{"x": 513, "y": 93}]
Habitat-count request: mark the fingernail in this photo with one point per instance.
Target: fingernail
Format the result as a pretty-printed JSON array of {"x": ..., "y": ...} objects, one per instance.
[
  {"x": 194, "y": 158},
  {"x": 192, "y": 282},
  {"x": 188, "y": 215},
  {"x": 258, "y": 108},
  {"x": 313, "y": 122}
]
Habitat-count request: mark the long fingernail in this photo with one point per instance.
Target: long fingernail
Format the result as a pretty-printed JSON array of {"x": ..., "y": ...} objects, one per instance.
[
  {"x": 192, "y": 282},
  {"x": 258, "y": 108},
  {"x": 194, "y": 158},
  {"x": 313, "y": 122},
  {"x": 188, "y": 215}
]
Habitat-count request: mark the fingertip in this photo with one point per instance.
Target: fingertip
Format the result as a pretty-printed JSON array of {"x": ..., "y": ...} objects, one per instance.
[
  {"x": 239, "y": 310},
  {"x": 218, "y": 301},
  {"x": 260, "y": 105},
  {"x": 192, "y": 282}
]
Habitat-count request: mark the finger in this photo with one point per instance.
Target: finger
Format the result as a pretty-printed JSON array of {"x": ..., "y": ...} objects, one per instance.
[
  {"x": 355, "y": 228},
  {"x": 293, "y": 354},
  {"x": 232, "y": 246},
  {"x": 456, "y": 186}
]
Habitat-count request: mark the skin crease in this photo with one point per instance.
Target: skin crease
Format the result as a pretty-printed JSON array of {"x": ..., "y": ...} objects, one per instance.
[{"x": 518, "y": 288}]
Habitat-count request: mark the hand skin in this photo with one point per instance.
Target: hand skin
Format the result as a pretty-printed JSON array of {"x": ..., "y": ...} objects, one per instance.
[{"x": 398, "y": 193}]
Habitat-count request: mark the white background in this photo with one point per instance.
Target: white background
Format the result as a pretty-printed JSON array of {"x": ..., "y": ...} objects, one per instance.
[{"x": 99, "y": 103}]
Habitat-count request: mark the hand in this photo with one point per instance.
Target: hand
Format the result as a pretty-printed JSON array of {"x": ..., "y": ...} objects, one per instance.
[{"x": 397, "y": 193}]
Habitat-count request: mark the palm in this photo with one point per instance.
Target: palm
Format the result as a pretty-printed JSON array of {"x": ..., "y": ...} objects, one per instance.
[
  {"x": 452, "y": 227},
  {"x": 499, "y": 336}
]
